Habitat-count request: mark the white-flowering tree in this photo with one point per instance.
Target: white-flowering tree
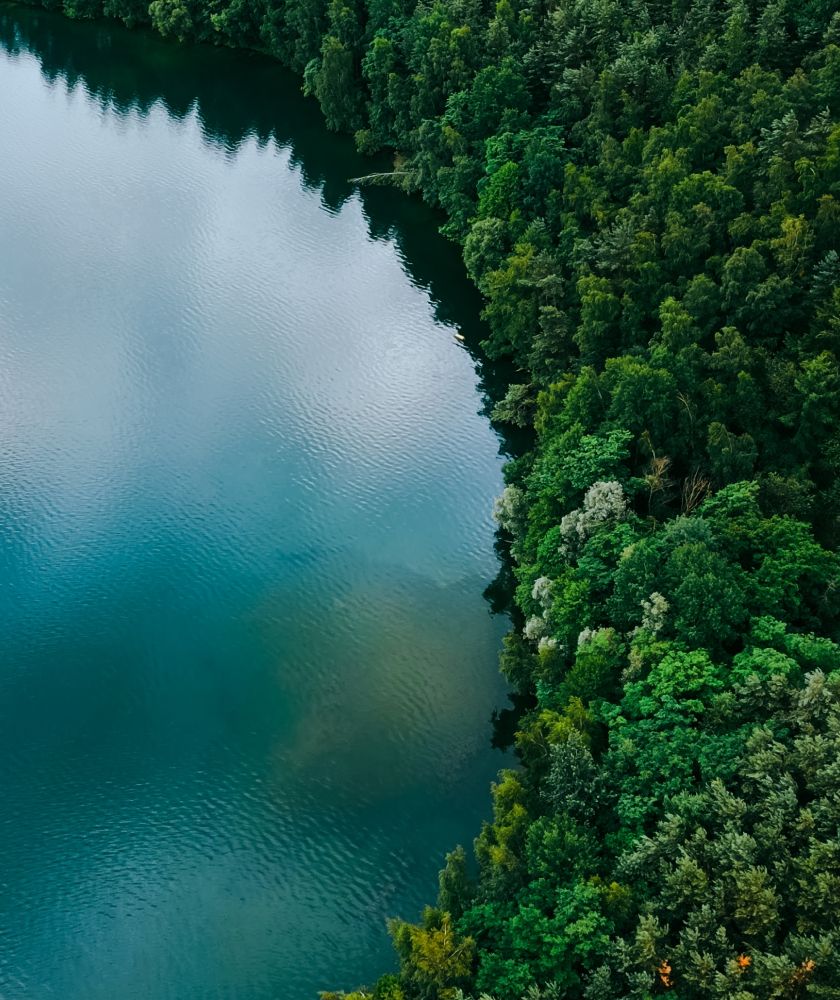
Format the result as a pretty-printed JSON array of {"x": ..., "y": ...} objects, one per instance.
[{"x": 603, "y": 503}]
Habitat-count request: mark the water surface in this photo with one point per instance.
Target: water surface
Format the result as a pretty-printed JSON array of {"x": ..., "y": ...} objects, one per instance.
[{"x": 245, "y": 491}]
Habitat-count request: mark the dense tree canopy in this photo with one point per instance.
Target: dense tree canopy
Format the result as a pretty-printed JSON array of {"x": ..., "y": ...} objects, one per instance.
[{"x": 648, "y": 196}]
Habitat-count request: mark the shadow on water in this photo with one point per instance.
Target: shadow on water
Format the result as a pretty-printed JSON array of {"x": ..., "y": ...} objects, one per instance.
[{"x": 240, "y": 96}]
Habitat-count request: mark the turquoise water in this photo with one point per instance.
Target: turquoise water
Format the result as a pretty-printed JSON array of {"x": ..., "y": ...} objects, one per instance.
[{"x": 245, "y": 490}]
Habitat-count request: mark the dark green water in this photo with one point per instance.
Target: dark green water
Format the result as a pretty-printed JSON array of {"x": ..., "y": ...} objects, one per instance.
[{"x": 245, "y": 490}]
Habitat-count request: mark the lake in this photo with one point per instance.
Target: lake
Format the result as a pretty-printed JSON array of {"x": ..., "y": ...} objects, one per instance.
[{"x": 246, "y": 481}]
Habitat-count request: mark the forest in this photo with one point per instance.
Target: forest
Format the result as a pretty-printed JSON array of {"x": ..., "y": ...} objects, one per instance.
[{"x": 647, "y": 194}]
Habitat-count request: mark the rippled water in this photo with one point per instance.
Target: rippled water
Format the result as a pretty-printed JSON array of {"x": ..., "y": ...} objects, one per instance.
[{"x": 245, "y": 489}]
